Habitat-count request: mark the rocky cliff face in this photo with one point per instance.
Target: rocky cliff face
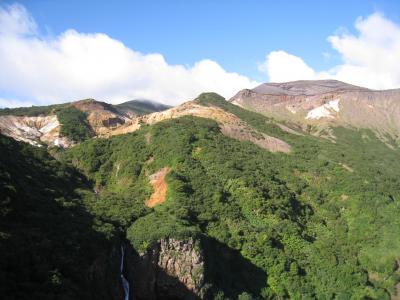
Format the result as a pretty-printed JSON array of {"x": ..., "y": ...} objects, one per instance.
[{"x": 170, "y": 269}]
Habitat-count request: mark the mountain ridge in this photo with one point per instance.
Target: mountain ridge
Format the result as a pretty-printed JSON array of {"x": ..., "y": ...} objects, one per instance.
[
  {"x": 326, "y": 103},
  {"x": 306, "y": 87}
]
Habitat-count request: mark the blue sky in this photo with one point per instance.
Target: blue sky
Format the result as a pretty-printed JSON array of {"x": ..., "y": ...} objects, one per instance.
[{"x": 236, "y": 35}]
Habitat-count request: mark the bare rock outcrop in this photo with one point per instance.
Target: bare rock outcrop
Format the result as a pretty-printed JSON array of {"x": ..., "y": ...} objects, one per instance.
[
  {"x": 170, "y": 269},
  {"x": 101, "y": 116},
  {"x": 34, "y": 130},
  {"x": 160, "y": 187}
]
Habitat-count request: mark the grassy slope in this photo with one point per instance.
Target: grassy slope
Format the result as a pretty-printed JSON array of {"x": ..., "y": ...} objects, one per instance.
[{"x": 307, "y": 226}]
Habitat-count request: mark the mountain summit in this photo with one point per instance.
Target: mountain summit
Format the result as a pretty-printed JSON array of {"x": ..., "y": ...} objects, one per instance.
[
  {"x": 320, "y": 104},
  {"x": 306, "y": 87}
]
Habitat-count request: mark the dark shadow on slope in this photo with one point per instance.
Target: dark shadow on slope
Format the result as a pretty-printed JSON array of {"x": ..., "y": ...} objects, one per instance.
[
  {"x": 150, "y": 282},
  {"x": 48, "y": 247},
  {"x": 228, "y": 271}
]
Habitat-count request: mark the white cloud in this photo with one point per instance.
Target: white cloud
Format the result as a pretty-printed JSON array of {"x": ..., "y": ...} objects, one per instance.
[
  {"x": 14, "y": 19},
  {"x": 282, "y": 66},
  {"x": 76, "y": 65},
  {"x": 13, "y": 103},
  {"x": 371, "y": 58}
]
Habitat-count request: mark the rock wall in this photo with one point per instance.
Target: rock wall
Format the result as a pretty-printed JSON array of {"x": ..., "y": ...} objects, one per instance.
[{"x": 170, "y": 269}]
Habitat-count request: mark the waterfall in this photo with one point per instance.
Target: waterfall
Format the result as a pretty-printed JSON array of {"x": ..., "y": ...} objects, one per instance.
[{"x": 125, "y": 282}]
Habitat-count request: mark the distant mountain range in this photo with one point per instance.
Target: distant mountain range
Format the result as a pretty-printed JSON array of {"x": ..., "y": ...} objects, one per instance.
[{"x": 314, "y": 106}]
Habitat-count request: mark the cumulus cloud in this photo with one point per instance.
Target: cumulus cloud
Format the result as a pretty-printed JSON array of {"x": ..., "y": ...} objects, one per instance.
[
  {"x": 370, "y": 58},
  {"x": 76, "y": 65},
  {"x": 282, "y": 66}
]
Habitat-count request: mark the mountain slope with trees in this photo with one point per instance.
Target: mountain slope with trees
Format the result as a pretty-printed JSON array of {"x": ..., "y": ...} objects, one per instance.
[{"x": 318, "y": 222}]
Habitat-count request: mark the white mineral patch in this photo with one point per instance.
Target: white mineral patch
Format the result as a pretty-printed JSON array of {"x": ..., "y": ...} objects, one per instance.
[
  {"x": 324, "y": 111},
  {"x": 32, "y": 130},
  {"x": 334, "y": 104},
  {"x": 51, "y": 124}
]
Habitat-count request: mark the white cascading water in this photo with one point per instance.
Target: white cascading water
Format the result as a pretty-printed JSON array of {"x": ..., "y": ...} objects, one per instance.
[{"x": 125, "y": 282}]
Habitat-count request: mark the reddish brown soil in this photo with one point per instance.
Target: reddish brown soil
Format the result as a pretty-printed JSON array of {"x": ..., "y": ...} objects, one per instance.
[{"x": 157, "y": 180}]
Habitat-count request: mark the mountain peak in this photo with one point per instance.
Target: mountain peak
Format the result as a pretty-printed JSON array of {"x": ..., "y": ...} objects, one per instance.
[
  {"x": 325, "y": 102},
  {"x": 306, "y": 87}
]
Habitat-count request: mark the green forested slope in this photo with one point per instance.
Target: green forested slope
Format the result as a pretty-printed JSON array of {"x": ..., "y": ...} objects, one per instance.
[
  {"x": 74, "y": 124},
  {"x": 320, "y": 222}
]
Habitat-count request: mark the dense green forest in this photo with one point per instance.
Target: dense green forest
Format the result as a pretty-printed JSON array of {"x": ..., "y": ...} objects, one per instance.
[
  {"x": 74, "y": 124},
  {"x": 320, "y": 222}
]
